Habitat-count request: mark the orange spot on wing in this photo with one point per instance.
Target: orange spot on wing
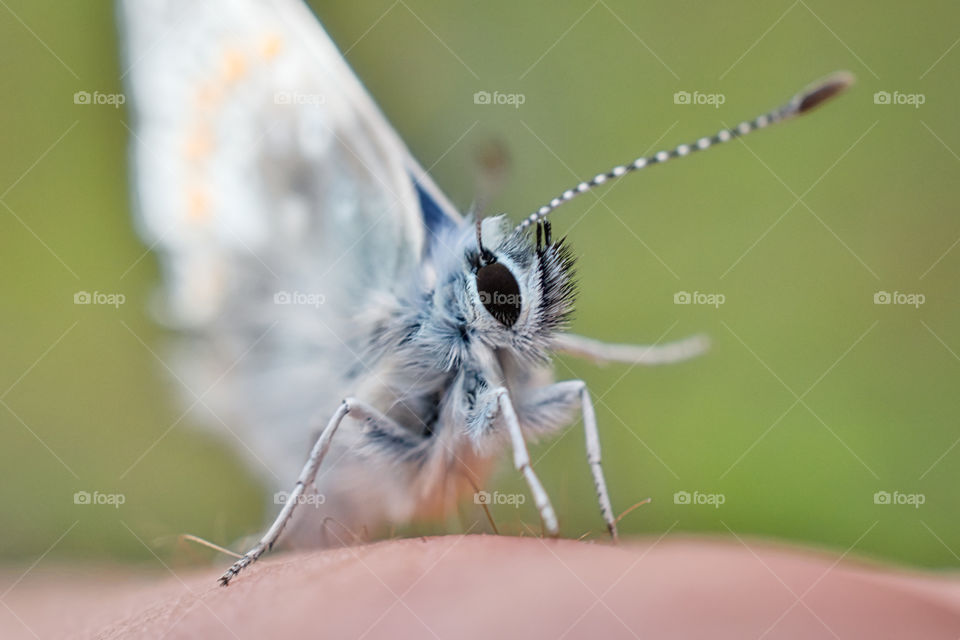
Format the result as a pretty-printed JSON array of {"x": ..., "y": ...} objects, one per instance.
[
  {"x": 199, "y": 143},
  {"x": 271, "y": 46},
  {"x": 234, "y": 66},
  {"x": 198, "y": 205},
  {"x": 209, "y": 95}
]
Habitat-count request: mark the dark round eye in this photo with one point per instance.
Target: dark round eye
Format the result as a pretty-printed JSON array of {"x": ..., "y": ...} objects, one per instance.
[{"x": 499, "y": 293}]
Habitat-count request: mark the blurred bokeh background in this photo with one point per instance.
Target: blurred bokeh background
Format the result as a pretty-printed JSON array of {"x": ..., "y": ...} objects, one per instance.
[{"x": 813, "y": 401}]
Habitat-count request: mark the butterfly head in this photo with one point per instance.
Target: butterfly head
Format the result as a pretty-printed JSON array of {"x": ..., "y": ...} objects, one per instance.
[{"x": 520, "y": 290}]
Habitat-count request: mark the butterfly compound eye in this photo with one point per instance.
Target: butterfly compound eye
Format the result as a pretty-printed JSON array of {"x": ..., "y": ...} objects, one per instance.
[{"x": 499, "y": 293}]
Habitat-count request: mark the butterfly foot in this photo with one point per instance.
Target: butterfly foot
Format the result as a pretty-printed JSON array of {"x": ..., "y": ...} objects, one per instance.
[
  {"x": 248, "y": 558},
  {"x": 614, "y": 537}
]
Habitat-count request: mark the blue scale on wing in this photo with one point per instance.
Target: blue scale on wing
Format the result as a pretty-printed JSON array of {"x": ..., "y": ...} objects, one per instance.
[{"x": 435, "y": 220}]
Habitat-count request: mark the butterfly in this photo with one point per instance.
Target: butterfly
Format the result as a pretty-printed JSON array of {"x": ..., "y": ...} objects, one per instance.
[{"x": 335, "y": 304}]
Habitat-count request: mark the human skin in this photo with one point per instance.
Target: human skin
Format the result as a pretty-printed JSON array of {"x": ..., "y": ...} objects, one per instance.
[{"x": 485, "y": 586}]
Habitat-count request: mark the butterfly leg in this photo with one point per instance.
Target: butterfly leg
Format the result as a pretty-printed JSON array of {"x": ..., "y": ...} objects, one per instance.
[
  {"x": 650, "y": 355},
  {"x": 355, "y": 408},
  {"x": 593, "y": 453},
  {"x": 558, "y": 399},
  {"x": 521, "y": 460}
]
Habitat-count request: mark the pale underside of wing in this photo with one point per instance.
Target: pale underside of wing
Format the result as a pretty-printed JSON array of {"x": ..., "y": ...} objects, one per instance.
[{"x": 285, "y": 212}]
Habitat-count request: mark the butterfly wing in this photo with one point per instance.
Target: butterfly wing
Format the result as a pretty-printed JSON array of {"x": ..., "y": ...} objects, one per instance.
[{"x": 283, "y": 208}]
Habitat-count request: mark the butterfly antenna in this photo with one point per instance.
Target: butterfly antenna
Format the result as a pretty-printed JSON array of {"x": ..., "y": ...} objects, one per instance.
[{"x": 803, "y": 102}]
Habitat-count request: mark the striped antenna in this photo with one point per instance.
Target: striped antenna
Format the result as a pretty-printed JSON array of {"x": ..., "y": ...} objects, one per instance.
[{"x": 803, "y": 102}]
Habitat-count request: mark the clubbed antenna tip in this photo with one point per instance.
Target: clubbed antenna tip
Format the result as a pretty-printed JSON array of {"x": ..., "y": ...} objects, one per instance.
[
  {"x": 807, "y": 100},
  {"x": 817, "y": 94}
]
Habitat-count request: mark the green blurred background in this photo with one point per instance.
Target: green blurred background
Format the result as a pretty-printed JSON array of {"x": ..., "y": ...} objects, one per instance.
[{"x": 812, "y": 399}]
